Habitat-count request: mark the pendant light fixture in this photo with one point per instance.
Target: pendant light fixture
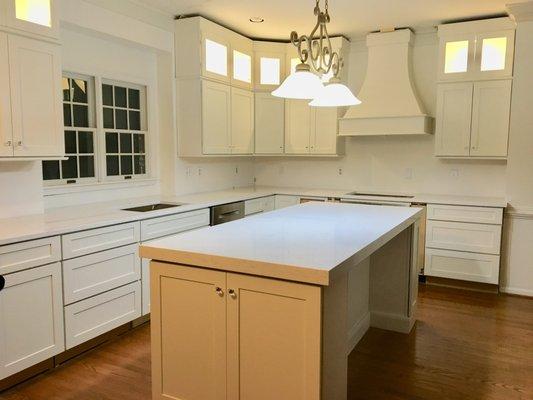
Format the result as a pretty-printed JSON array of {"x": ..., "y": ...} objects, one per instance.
[{"x": 315, "y": 51}]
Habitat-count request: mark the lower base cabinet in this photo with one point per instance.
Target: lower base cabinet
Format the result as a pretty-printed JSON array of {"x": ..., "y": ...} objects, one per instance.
[
  {"x": 218, "y": 335},
  {"x": 97, "y": 315},
  {"x": 31, "y": 318}
]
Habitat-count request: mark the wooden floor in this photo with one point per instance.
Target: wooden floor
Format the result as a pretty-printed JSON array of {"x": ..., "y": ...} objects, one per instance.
[{"x": 466, "y": 345}]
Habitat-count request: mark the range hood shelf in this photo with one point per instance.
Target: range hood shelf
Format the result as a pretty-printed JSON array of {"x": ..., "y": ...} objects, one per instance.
[{"x": 390, "y": 104}]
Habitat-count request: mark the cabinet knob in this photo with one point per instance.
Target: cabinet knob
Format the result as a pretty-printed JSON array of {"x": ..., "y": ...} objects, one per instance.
[
  {"x": 232, "y": 294},
  {"x": 2, "y": 283},
  {"x": 19, "y": 143},
  {"x": 473, "y": 147},
  {"x": 9, "y": 143},
  {"x": 219, "y": 291}
]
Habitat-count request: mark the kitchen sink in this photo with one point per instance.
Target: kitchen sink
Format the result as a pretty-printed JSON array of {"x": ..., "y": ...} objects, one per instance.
[
  {"x": 380, "y": 195},
  {"x": 153, "y": 207}
]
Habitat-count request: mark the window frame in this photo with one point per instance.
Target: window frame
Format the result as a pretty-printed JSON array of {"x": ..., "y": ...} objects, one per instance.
[{"x": 91, "y": 104}]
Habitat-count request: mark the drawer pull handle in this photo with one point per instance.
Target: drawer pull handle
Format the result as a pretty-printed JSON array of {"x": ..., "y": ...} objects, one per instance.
[
  {"x": 232, "y": 294},
  {"x": 2, "y": 283},
  {"x": 219, "y": 291}
]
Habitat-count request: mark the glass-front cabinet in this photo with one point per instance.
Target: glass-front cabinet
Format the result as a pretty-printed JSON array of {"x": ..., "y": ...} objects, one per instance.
[
  {"x": 269, "y": 61},
  {"x": 476, "y": 50},
  {"x": 38, "y": 17}
]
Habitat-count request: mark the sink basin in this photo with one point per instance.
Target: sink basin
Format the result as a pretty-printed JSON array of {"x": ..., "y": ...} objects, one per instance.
[
  {"x": 152, "y": 207},
  {"x": 381, "y": 195}
]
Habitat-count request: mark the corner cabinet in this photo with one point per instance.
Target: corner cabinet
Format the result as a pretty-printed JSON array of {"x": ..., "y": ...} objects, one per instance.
[
  {"x": 474, "y": 89},
  {"x": 31, "y": 119},
  {"x": 227, "y": 352}
]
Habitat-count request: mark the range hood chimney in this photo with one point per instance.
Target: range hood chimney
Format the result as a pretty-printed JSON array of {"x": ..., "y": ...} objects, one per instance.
[{"x": 390, "y": 105}]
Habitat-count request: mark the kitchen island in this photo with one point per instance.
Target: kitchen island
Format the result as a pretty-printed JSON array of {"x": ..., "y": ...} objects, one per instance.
[{"x": 270, "y": 306}]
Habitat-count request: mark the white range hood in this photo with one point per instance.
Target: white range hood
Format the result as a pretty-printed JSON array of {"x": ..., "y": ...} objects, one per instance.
[{"x": 390, "y": 105}]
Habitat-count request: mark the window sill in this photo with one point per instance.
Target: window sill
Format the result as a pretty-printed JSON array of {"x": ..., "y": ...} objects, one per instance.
[{"x": 97, "y": 186}]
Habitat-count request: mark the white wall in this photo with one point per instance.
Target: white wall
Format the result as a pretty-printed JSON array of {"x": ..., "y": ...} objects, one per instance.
[
  {"x": 20, "y": 189},
  {"x": 517, "y": 262},
  {"x": 401, "y": 163}
]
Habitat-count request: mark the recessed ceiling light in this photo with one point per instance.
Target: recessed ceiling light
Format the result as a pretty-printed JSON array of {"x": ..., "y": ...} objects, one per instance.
[{"x": 257, "y": 20}]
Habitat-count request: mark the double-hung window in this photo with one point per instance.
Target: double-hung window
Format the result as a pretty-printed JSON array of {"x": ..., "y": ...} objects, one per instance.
[{"x": 105, "y": 135}]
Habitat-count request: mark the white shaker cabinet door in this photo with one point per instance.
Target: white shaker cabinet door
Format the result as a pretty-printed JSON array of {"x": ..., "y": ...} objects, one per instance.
[
  {"x": 6, "y": 130},
  {"x": 324, "y": 131},
  {"x": 297, "y": 126},
  {"x": 242, "y": 121},
  {"x": 490, "y": 120},
  {"x": 35, "y": 77},
  {"x": 454, "y": 116},
  {"x": 269, "y": 124},
  {"x": 216, "y": 113},
  {"x": 31, "y": 318}
]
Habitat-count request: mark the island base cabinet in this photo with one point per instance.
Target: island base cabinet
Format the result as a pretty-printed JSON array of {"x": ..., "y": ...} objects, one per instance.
[
  {"x": 30, "y": 331},
  {"x": 218, "y": 335}
]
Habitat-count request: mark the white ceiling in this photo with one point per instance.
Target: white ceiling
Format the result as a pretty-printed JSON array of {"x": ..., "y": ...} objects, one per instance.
[{"x": 352, "y": 18}]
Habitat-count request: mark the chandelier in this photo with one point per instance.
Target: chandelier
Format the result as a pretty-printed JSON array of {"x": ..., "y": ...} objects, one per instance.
[{"x": 316, "y": 54}]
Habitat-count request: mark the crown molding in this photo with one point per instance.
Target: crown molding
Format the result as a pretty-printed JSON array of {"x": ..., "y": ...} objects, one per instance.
[{"x": 521, "y": 12}]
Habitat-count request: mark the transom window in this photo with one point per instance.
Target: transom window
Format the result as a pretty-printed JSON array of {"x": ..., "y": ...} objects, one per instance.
[{"x": 116, "y": 150}]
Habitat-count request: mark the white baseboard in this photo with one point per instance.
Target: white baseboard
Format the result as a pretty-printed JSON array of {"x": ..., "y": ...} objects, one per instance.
[
  {"x": 517, "y": 291},
  {"x": 391, "y": 322},
  {"x": 357, "y": 331}
]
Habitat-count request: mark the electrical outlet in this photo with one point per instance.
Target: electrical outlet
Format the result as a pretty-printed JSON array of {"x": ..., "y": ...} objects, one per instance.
[
  {"x": 454, "y": 173},
  {"x": 188, "y": 171},
  {"x": 199, "y": 171},
  {"x": 408, "y": 173},
  {"x": 236, "y": 170},
  {"x": 340, "y": 171}
]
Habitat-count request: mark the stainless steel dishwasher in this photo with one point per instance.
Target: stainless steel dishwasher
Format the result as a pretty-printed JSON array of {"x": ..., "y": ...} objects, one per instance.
[{"x": 227, "y": 212}]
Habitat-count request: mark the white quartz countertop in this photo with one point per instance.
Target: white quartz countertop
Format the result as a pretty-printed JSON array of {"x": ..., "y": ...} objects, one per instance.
[
  {"x": 76, "y": 218},
  {"x": 304, "y": 243}
]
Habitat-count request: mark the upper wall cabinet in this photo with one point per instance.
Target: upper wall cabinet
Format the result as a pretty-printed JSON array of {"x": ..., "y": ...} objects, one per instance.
[
  {"x": 31, "y": 120},
  {"x": 36, "y": 17},
  {"x": 211, "y": 51},
  {"x": 269, "y": 65},
  {"x": 476, "y": 50}
]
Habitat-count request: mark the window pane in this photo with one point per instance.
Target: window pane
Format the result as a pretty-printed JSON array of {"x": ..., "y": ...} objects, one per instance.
[
  {"x": 66, "y": 89},
  {"x": 36, "y": 11},
  {"x": 125, "y": 142},
  {"x": 138, "y": 143},
  {"x": 126, "y": 165},
  {"x": 134, "y": 99},
  {"x": 216, "y": 58},
  {"x": 456, "y": 57},
  {"x": 112, "y": 165},
  {"x": 70, "y": 168},
  {"x": 67, "y": 117},
  {"x": 242, "y": 66},
  {"x": 70, "y": 142},
  {"x": 81, "y": 115},
  {"x": 121, "y": 119},
  {"x": 109, "y": 119},
  {"x": 135, "y": 120},
  {"x": 111, "y": 142},
  {"x": 120, "y": 97},
  {"x": 50, "y": 170},
  {"x": 107, "y": 95},
  {"x": 86, "y": 167},
  {"x": 79, "y": 87},
  {"x": 270, "y": 71},
  {"x": 140, "y": 165},
  {"x": 85, "y": 142},
  {"x": 493, "y": 54}
]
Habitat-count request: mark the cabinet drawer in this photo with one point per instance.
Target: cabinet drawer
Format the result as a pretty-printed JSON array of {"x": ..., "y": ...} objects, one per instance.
[
  {"x": 164, "y": 226},
  {"x": 94, "y": 240},
  {"x": 465, "y": 266},
  {"x": 482, "y": 215},
  {"x": 19, "y": 256},
  {"x": 262, "y": 204},
  {"x": 461, "y": 236},
  {"x": 90, "y": 318},
  {"x": 96, "y": 273}
]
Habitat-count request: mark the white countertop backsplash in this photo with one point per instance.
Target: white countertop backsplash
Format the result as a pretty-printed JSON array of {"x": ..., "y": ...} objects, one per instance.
[{"x": 56, "y": 221}]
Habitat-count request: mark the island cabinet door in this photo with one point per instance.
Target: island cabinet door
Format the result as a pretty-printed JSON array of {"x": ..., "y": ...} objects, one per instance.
[
  {"x": 188, "y": 333},
  {"x": 273, "y": 339}
]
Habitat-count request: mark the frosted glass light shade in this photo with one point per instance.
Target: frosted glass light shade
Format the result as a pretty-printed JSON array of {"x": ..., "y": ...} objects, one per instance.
[
  {"x": 302, "y": 84},
  {"x": 335, "y": 95},
  {"x": 493, "y": 54},
  {"x": 36, "y": 11}
]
